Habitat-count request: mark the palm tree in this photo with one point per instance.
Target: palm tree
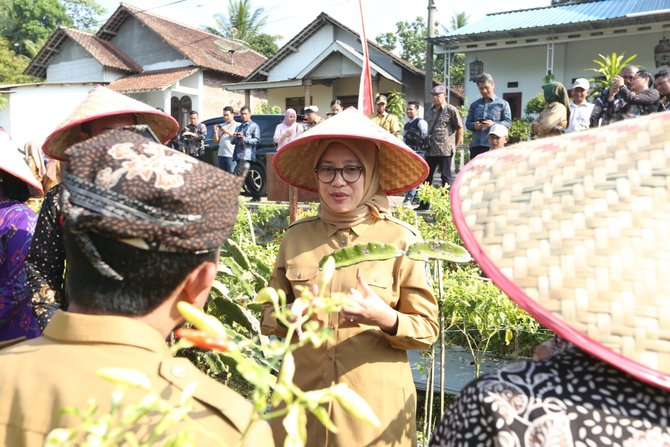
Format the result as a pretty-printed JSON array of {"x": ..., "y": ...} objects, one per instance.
[
  {"x": 459, "y": 20},
  {"x": 246, "y": 24}
]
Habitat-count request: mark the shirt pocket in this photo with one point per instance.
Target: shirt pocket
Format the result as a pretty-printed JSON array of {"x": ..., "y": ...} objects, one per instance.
[
  {"x": 301, "y": 276},
  {"x": 380, "y": 280}
]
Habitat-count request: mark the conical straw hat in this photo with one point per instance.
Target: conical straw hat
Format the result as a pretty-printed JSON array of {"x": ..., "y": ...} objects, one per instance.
[
  {"x": 575, "y": 229},
  {"x": 103, "y": 102},
  {"x": 400, "y": 168},
  {"x": 13, "y": 163}
]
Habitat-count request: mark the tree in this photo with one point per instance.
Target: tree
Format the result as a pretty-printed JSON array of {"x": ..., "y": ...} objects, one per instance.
[
  {"x": 459, "y": 20},
  {"x": 27, "y": 23},
  {"x": 246, "y": 24},
  {"x": 12, "y": 65},
  {"x": 85, "y": 14}
]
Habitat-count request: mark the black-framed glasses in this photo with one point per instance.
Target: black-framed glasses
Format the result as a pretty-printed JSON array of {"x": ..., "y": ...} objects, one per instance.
[{"x": 350, "y": 174}]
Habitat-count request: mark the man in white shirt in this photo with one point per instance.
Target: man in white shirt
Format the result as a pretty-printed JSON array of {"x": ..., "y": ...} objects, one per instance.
[
  {"x": 223, "y": 135},
  {"x": 580, "y": 108}
]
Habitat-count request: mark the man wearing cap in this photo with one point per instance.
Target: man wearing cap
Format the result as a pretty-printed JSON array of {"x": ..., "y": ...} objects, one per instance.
[
  {"x": 142, "y": 228},
  {"x": 102, "y": 109},
  {"x": 382, "y": 118},
  {"x": 587, "y": 256},
  {"x": 312, "y": 116},
  {"x": 662, "y": 84},
  {"x": 498, "y": 136},
  {"x": 416, "y": 137},
  {"x": 445, "y": 133},
  {"x": 580, "y": 108},
  {"x": 484, "y": 112}
]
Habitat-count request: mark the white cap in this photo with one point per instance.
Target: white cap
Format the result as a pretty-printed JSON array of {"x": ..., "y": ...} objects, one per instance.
[
  {"x": 314, "y": 109},
  {"x": 582, "y": 83},
  {"x": 498, "y": 130}
]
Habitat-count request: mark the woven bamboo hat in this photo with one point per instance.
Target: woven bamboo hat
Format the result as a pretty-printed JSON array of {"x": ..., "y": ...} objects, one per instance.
[
  {"x": 575, "y": 229},
  {"x": 102, "y": 102},
  {"x": 13, "y": 163},
  {"x": 400, "y": 168}
]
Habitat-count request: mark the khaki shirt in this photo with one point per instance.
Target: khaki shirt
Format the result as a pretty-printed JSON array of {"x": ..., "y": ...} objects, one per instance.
[
  {"x": 387, "y": 121},
  {"x": 43, "y": 375},
  {"x": 367, "y": 359}
]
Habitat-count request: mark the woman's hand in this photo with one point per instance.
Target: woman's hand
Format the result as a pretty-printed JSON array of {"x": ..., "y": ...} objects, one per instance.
[{"x": 371, "y": 309}]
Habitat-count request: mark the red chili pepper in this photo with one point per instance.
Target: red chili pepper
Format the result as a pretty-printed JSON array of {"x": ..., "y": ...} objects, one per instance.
[{"x": 205, "y": 340}]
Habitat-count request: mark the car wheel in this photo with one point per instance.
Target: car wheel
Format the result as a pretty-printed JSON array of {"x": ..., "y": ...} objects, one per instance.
[{"x": 256, "y": 182}]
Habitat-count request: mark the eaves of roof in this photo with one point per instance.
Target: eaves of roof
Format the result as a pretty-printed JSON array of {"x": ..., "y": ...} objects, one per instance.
[
  {"x": 150, "y": 81},
  {"x": 594, "y": 15}
]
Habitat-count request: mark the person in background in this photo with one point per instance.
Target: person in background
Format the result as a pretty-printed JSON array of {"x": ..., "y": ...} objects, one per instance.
[
  {"x": 33, "y": 156},
  {"x": 484, "y": 112},
  {"x": 352, "y": 164},
  {"x": 223, "y": 134},
  {"x": 140, "y": 238},
  {"x": 445, "y": 133},
  {"x": 637, "y": 100},
  {"x": 580, "y": 108},
  {"x": 194, "y": 136},
  {"x": 662, "y": 84},
  {"x": 101, "y": 110},
  {"x": 601, "y": 107},
  {"x": 387, "y": 121},
  {"x": 288, "y": 130},
  {"x": 545, "y": 246},
  {"x": 416, "y": 137},
  {"x": 335, "y": 107},
  {"x": 246, "y": 138},
  {"x": 17, "y": 223},
  {"x": 498, "y": 136},
  {"x": 553, "y": 120},
  {"x": 312, "y": 116}
]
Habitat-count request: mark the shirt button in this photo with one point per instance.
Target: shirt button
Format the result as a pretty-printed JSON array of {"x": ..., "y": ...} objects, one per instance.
[{"x": 178, "y": 371}]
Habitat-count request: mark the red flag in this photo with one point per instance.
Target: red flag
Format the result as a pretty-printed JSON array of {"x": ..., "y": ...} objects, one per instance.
[{"x": 365, "y": 87}]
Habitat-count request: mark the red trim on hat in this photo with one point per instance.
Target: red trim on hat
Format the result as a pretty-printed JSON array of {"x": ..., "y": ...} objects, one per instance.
[{"x": 543, "y": 316}]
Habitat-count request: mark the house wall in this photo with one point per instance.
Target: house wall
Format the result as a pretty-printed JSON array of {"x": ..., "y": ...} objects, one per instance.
[
  {"x": 34, "y": 111},
  {"x": 147, "y": 48},
  {"x": 571, "y": 60},
  {"x": 216, "y": 97},
  {"x": 292, "y": 64},
  {"x": 74, "y": 64}
]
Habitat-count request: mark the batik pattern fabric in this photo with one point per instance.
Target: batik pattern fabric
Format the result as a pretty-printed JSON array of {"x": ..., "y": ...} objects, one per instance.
[
  {"x": 569, "y": 399},
  {"x": 17, "y": 224},
  {"x": 45, "y": 263}
]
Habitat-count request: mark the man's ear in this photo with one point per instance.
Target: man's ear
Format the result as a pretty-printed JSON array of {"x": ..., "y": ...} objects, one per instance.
[{"x": 195, "y": 288}]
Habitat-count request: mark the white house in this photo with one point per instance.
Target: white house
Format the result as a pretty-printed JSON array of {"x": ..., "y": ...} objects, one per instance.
[
  {"x": 520, "y": 47},
  {"x": 170, "y": 66},
  {"x": 323, "y": 62}
]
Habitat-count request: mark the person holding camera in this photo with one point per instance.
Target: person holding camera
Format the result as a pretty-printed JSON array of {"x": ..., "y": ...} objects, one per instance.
[
  {"x": 193, "y": 136},
  {"x": 246, "y": 138},
  {"x": 484, "y": 112},
  {"x": 223, "y": 134}
]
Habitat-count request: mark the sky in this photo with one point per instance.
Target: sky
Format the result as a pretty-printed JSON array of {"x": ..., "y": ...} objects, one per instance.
[{"x": 287, "y": 17}]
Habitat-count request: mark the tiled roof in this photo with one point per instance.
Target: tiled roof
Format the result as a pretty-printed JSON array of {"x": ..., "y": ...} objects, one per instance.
[
  {"x": 151, "y": 80},
  {"x": 307, "y": 33},
  {"x": 593, "y": 14},
  {"x": 203, "y": 49},
  {"x": 101, "y": 50}
]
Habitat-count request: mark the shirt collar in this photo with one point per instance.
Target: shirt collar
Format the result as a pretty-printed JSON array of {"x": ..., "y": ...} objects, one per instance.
[
  {"x": 72, "y": 327},
  {"x": 359, "y": 230}
]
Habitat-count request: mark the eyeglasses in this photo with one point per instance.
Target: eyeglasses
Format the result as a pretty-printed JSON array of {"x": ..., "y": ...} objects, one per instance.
[{"x": 350, "y": 174}]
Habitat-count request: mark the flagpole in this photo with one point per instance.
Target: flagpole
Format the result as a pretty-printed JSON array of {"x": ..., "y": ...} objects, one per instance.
[{"x": 365, "y": 87}]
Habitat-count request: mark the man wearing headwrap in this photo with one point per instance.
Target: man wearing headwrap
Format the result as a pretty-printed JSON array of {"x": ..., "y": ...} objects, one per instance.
[{"x": 142, "y": 228}]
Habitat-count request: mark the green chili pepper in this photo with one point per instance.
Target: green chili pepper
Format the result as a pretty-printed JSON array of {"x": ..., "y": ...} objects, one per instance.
[
  {"x": 372, "y": 251},
  {"x": 441, "y": 250}
]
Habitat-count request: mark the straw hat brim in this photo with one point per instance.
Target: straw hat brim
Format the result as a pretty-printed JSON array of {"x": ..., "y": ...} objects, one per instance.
[
  {"x": 400, "y": 168},
  {"x": 574, "y": 229},
  {"x": 12, "y": 163},
  {"x": 102, "y": 102}
]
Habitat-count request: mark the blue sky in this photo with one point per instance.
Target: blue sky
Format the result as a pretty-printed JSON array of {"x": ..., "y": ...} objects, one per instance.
[{"x": 287, "y": 17}]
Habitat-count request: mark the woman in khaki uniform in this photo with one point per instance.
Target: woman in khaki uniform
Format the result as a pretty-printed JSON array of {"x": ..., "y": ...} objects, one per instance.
[
  {"x": 353, "y": 175},
  {"x": 555, "y": 117}
]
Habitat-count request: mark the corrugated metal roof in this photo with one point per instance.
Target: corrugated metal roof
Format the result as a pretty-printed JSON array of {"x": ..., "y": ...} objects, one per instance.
[{"x": 588, "y": 12}]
